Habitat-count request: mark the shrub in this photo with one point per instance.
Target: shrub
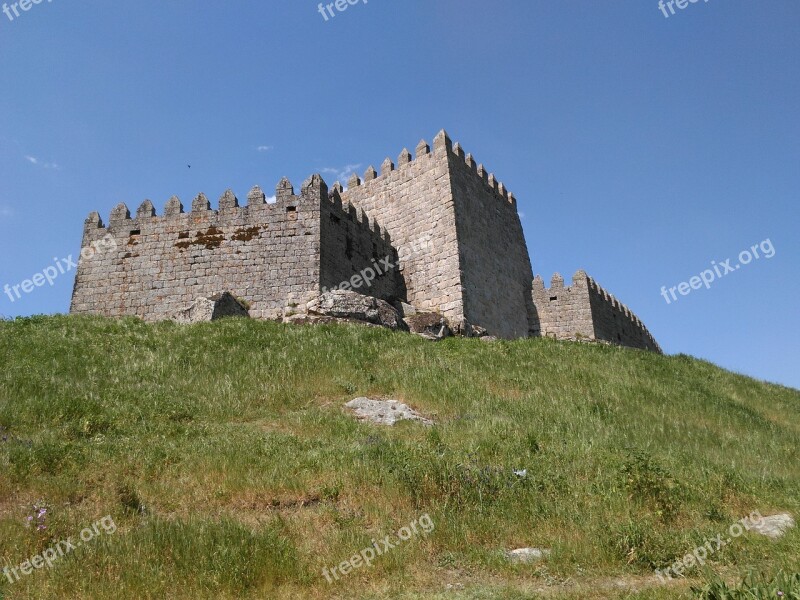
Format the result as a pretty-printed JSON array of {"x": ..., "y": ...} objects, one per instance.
[{"x": 649, "y": 482}]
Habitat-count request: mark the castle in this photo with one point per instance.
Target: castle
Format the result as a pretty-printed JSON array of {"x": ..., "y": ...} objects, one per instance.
[{"x": 449, "y": 229}]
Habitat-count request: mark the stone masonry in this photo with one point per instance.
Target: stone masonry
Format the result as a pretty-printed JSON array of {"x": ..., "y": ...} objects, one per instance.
[
  {"x": 270, "y": 255},
  {"x": 449, "y": 229},
  {"x": 585, "y": 311},
  {"x": 477, "y": 271}
]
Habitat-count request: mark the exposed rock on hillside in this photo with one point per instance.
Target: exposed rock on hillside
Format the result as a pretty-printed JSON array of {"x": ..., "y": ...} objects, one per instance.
[
  {"x": 431, "y": 326},
  {"x": 384, "y": 412},
  {"x": 774, "y": 526},
  {"x": 342, "y": 304},
  {"x": 211, "y": 308}
]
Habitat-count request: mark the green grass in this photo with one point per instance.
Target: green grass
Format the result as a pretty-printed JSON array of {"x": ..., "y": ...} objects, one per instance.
[
  {"x": 226, "y": 460},
  {"x": 753, "y": 587}
]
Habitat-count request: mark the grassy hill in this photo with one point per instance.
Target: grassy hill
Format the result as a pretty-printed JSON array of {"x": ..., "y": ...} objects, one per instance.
[{"x": 230, "y": 469}]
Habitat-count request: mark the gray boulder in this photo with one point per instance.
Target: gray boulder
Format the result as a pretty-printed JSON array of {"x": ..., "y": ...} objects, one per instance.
[
  {"x": 429, "y": 325},
  {"x": 344, "y": 304},
  {"x": 774, "y": 526},
  {"x": 384, "y": 412},
  {"x": 211, "y": 308},
  {"x": 527, "y": 555}
]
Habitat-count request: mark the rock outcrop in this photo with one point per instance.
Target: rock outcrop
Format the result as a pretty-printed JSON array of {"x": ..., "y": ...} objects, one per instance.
[
  {"x": 429, "y": 325},
  {"x": 384, "y": 412},
  {"x": 211, "y": 308},
  {"x": 351, "y": 306}
]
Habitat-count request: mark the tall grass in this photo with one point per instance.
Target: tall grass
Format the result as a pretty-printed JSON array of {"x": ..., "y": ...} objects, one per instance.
[
  {"x": 752, "y": 587},
  {"x": 224, "y": 455}
]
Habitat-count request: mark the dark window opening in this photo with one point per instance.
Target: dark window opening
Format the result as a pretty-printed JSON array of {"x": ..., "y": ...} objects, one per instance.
[
  {"x": 348, "y": 247},
  {"x": 136, "y": 232},
  {"x": 291, "y": 209},
  {"x": 552, "y": 298}
]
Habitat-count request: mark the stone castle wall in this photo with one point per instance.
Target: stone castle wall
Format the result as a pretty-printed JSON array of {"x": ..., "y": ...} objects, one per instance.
[
  {"x": 352, "y": 244},
  {"x": 614, "y": 322},
  {"x": 477, "y": 269},
  {"x": 563, "y": 312},
  {"x": 266, "y": 254},
  {"x": 495, "y": 266},
  {"x": 585, "y": 310},
  {"x": 414, "y": 202}
]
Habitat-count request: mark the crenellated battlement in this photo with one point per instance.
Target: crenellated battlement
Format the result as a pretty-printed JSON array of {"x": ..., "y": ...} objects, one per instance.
[
  {"x": 586, "y": 310},
  {"x": 442, "y": 147},
  {"x": 405, "y": 160},
  {"x": 263, "y": 252},
  {"x": 489, "y": 180},
  {"x": 256, "y": 210},
  {"x": 438, "y": 192}
]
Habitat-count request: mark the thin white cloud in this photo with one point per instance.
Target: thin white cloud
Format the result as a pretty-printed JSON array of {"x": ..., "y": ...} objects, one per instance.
[
  {"x": 342, "y": 173},
  {"x": 271, "y": 199},
  {"x": 265, "y": 148},
  {"x": 45, "y": 165}
]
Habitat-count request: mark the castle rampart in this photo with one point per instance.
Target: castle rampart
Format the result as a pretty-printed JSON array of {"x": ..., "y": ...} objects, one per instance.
[
  {"x": 266, "y": 254},
  {"x": 495, "y": 266},
  {"x": 413, "y": 201},
  {"x": 585, "y": 310},
  {"x": 350, "y": 243},
  {"x": 478, "y": 271}
]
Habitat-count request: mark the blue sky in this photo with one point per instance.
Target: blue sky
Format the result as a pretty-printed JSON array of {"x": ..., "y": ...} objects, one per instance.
[{"x": 640, "y": 148}]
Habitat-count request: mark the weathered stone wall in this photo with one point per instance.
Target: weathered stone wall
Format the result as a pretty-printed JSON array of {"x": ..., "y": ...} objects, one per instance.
[
  {"x": 260, "y": 252},
  {"x": 585, "y": 310},
  {"x": 266, "y": 254},
  {"x": 356, "y": 253},
  {"x": 614, "y": 322},
  {"x": 458, "y": 234},
  {"x": 414, "y": 202},
  {"x": 563, "y": 312},
  {"x": 495, "y": 266}
]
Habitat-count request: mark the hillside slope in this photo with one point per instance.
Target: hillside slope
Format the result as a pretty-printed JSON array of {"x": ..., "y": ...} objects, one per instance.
[{"x": 224, "y": 456}]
